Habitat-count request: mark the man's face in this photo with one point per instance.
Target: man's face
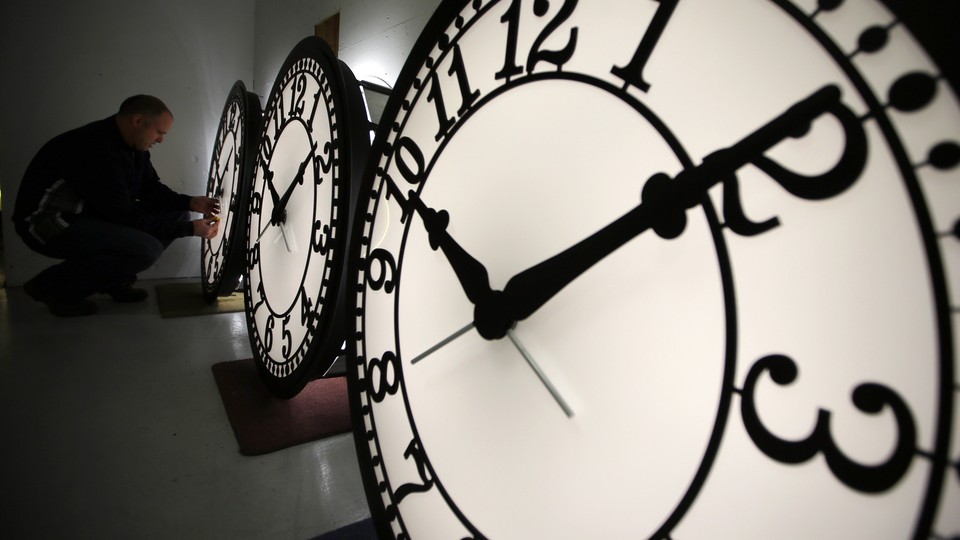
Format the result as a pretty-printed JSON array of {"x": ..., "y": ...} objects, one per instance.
[{"x": 151, "y": 130}]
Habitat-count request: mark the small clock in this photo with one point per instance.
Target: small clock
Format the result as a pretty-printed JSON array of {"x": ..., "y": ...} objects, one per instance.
[
  {"x": 222, "y": 257},
  {"x": 661, "y": 269},
  {"x": 314, "y": 135}
]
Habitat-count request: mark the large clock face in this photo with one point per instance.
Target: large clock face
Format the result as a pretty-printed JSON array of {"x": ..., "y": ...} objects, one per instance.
[
  {"x": 297, "y": 224},
  {"x": 660, "y": 269},
  {"x": 229, "y": 180}
]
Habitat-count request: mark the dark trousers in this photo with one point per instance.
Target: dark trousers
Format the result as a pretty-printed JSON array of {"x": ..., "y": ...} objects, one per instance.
[{"x": 97, "y": 256}]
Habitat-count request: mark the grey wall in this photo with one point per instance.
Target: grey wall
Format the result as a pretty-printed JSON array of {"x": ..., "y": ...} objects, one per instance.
[
  {"x": 375, "y": 35},
  {"x": 68, "y": 63}
]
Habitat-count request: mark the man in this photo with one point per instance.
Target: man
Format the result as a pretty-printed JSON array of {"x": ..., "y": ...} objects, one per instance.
[{"x": 92, "y": 198}]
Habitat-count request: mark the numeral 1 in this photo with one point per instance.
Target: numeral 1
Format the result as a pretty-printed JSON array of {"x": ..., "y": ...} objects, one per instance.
[
  {"x": 632, "y": 73},
  {"x": 278, "y": 111},
  {"x": 313, "y": 111}
]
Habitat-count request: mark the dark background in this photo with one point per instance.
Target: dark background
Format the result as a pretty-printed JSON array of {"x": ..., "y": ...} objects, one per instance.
[{"x": 936, "y": 24}]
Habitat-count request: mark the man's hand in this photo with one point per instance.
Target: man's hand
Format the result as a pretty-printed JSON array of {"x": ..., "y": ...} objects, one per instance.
[
  {"x": 205, "y": 205},
  {"x": 207, "y": 227}
]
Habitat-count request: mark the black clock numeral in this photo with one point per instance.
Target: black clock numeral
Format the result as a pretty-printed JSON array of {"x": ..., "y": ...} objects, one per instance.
[
  {"x": 869, "y": 397},
  {"x": 810, "y": 187},
  {"x": 260, "y": 294},
  {"x": 386, "y": 269},
  {"x": 256, "y": 203},
  {"x": 313, "y": 110},
  {"x": 232, "y": 118},
  {"x": 307, "y": 315},
  {"x": 393, "y": 192},
  {"x": 632, "y": 73},
  {"x": 278, "y": 114},
  {"x": 407, "y": 149},
  {"x": 266, "y": 149},
  {"x": 287, "y": 335},
  {"x": 253, "y": 259},
  {"x": 324, "y": 165},
  {"x": 320, "y": 239},
  {"x": 415, "y": 452},
  {"x": 382, "y": 376},
  {"x": 217, "y": 151},
  {"x": 268, "y": 332},
  {"x": 512, "y": 18},
  {"x": 467, "y": 97},
  {"x": 536, "y": 54},
  {"x": 298, "y": 92},
  {"x": 557, "y": 58}
]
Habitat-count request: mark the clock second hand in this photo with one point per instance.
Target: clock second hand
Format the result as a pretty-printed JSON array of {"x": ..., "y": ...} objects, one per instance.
[
  {"x": 277, "y": 239},
  {"x": 283, "y": 234},
  {"x": 523, "y": 352},
  {"x": 442, "y": 343},
  {"x": 540, "y": 374},
  {"x": 263, "y": 232}
]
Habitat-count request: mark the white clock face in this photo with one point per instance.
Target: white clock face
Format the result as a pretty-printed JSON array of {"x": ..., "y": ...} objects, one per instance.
[
  {"x": 637, "y": 383},
  {"x": 226, "y": 182},
  {"x": 295, "y": 236}
]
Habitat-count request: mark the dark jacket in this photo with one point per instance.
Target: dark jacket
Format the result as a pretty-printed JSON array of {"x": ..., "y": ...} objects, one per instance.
[{"x": 90, "y": 172}]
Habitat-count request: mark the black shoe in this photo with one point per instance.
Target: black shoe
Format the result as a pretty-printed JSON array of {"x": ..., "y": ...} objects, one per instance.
[
  {"x": 127, "y": 293},
  {"x": 59, "y": 306}
]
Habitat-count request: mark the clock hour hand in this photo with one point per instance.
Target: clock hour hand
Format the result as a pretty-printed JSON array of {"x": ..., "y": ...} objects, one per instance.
[
  {"x": 471, "y": 273},
  {"x": 279, "y": 211},
  {"x": 476, "y": 284},
  {"x": 218, "y": 190},
  {"x": 664, "y": 204},
  {"x": 268, "y": 177}
]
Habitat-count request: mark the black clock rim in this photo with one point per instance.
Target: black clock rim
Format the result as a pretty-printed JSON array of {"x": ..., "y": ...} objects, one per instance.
[
  {"x": 925, "y": 20},
  {"x": 330, "y": 329},
  {"x": 232, "y": 267}
]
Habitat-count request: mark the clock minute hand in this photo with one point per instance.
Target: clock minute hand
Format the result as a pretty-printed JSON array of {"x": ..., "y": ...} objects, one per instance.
[
  {"x": 663, "y": 208},
  {"x": 218, "y": 190},
  {"x": 280, "y": 209}
]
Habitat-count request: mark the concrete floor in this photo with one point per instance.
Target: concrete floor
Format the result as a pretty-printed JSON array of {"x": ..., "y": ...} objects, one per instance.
[{"x": 112, "y": 427}]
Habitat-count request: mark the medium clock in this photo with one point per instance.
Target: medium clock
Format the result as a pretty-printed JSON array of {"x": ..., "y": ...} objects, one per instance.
[
  {"x": 222, "y": 257},
  {"x": 660, "y": 269},
  {"x": 313, "y": 136}
]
